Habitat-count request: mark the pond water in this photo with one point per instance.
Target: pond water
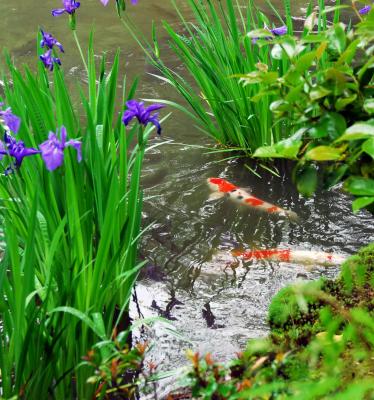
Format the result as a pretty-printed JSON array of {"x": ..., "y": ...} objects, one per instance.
[{"x": 214, "y": 308}]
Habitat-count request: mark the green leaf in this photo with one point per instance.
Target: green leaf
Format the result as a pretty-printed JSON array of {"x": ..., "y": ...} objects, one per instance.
[
  {"x": 331, "y": 125},
  {"x": 295, "y": 93},
  {"x": 313, "y": 38},
  {"x": 337, "y": 38},
  {"x": 277, "y": 52},
  {"x": 319, "y": 93},
  {"x": 266, "y": 152},
  {"x": 306, "y": 180},
  {"x": 259, "y": 33},
  {"x": 360, "y": 130},
  {"x": 349, "y": 53},
  {"x": 368, "y": 147},
  {"x": 279, "y": 106},
  {"x": 342, "y": 102},
  {"x": 369, "y": 106},
  {"x": 289, "y": 46},
  {"x": 334, "y": 8},
  {"x": 305, "y": 61},
  {"x": 310, "y": 21},
  {"x": 361, "y": 202},
  {"x": 83, "y": 317},
  {"x": 359, "y": 186},
  {"x": 323, "y": 153}
]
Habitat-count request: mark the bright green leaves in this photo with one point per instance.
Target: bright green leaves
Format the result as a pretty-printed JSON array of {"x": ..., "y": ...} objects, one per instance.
[
  {"x": 286, "y": 148},
  {"x": 360, "y": 130},
  {"x": 327, "y": 89},
  {"x": 323, "y": 153},
  {"x": 363, "y": 189},
  {"x": 337, "y": 38},
  {"x": 330, "y": 125},
  {"x": 305, "y": 62},
  {"x": 369, "y": 106},
  {"x": 362, "y": 202},
  {"x": 360, "y": 186},
  {"x": 368, "y": 147}
]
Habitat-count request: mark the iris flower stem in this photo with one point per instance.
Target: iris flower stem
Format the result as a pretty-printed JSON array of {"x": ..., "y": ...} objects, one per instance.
[
  {"x": 140, "y": 136},
  {"x": 80, "y": 49}
]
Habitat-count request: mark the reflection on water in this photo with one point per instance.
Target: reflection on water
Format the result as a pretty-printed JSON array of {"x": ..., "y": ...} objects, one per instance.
[{"x": 215, "y": 307}]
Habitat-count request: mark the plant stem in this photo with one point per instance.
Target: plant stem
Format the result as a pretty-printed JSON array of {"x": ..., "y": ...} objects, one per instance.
[{"x": 80, "y": 49}]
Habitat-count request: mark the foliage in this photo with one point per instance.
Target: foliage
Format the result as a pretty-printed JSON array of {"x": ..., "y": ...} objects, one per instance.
[
  {"x": 215, "y": 48},
  {"x": 70, "y": 259},
  {"x": 117, "y": 367},
  {"x": 327, "y": 93},
  {"x": 336, "y": 361}
]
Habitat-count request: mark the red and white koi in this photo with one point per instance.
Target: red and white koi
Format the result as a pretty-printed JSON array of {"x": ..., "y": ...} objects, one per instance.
[
  {"x": 221, "y": 187},
  {"x": 303, "y": 257}
]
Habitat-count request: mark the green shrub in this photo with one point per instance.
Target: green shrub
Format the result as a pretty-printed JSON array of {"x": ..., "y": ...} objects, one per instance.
[{"x": 328, "y": 94}]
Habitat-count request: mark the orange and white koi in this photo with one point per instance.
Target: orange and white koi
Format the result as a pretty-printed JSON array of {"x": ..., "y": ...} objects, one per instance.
[
  {"x": 221, "y": 187},
  {"x": 303, "y": 257}
]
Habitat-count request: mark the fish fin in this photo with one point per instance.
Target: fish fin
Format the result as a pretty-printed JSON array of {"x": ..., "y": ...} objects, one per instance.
[{"x": 215, "y": 196}]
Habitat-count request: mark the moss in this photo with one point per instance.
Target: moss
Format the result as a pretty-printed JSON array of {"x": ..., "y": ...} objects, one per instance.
[
  {"x": 285, "y": 308},
  {"x": 295, "y": 319},
  {"x": 292, "y": 319}
]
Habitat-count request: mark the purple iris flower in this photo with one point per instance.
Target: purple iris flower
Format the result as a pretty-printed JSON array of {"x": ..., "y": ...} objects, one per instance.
[
  {"x": 136, "y": 109},
  {"x": 69, "y": 6},
  {"x": 364, "y": 10},
  {"x": 10, "y": 120},
  {"x": 282, "y": 30},
  {"x": 49, "y": 41},
  {"x": 53, "y": 149},
  {"x": 48, "y": 60},
  {"x": 15, "y": 149}
]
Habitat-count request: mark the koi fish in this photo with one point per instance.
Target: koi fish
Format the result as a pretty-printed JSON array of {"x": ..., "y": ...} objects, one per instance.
[
  {"x": 291, "y": 256},
  {"x": 220, "y": 187}
]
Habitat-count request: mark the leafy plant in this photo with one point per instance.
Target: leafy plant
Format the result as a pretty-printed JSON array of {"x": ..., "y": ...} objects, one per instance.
[
  {"x": 116, "y": 367},
  {"x": 327, "y": 96}
]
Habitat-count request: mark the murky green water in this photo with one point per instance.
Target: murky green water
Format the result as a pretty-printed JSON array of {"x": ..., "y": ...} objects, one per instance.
[{"x": 215, "y": 309}]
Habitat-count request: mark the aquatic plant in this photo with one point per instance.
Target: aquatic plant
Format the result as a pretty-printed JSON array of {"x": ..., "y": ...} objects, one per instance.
[
  {"x": 327, "y": 96},
  {"x": 213, "y": 48},
  {"x": 71, "y": 227}
]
